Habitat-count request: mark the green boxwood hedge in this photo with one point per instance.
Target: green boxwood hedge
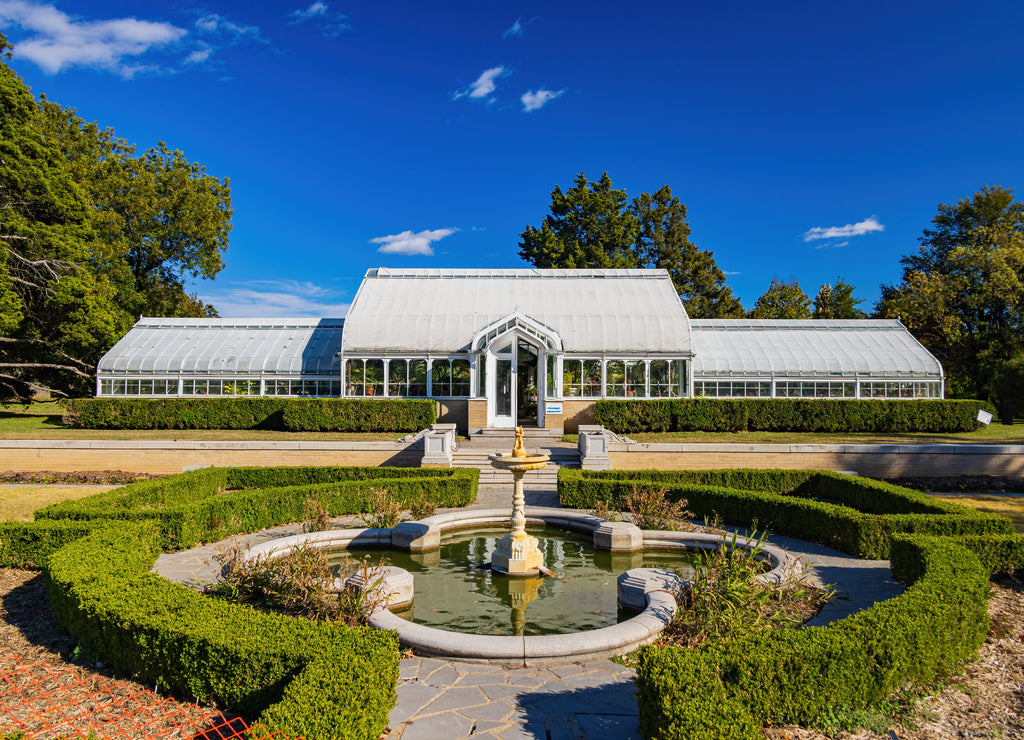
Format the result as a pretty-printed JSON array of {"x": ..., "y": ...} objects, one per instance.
[
  {"x": 630, "y": 416},
  {"x": 210, "y": 504},
  {"x": 289, "y": 414},
  {"x": 320, "y": 680},
  {"x": 28, "y": 544},
  {"x": 999, "y": 554},
  {"x": 730, "y": 688},
  {"x": 855, "y": 515}
]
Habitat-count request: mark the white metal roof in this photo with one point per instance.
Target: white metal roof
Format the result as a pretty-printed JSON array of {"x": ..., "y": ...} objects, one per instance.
[
  {"x": 880, "y": 347},
  {"x": 228, "y": 346},
  {"x": 591, "y": 310}
]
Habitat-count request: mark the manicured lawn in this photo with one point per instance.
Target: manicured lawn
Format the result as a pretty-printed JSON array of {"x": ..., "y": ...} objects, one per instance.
[{"x": 19, "y": 501}]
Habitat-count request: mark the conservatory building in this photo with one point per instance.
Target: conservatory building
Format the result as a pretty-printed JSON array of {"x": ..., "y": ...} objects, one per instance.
[{"x": 501, "y": 348}]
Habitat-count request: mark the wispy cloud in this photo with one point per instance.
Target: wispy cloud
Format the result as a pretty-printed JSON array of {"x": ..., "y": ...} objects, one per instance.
[
  {"x": 199, "y": 55},
  {"x": 484, "y": 85},
  {"x": 839, "y": 232},
  {"x": 330, "y": 23},
  {"x": 276, "y": 299},
  {"x": 409, "y": 243},
  {"x": 221, "y": 32},
  {"x": 536, "y": 100},
  {"x": 515, "y": 30},
  {"x": 61, "y": 41}
]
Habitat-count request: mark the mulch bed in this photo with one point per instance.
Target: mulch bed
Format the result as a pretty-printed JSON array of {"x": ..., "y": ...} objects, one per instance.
[{"x": 93, "y": 477}]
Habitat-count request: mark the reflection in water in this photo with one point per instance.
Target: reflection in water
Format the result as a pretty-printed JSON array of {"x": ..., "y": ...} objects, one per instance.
[{"x": 455, "y": 590}]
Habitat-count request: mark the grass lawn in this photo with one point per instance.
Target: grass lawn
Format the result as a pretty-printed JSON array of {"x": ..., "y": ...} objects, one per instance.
[
  {"x": 19, "y": 501},
  {"x": 1009, "y": 506}
]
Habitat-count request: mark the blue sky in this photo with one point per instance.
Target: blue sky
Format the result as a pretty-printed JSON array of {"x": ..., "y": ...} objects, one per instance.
[{"x": 808, "y": 140}]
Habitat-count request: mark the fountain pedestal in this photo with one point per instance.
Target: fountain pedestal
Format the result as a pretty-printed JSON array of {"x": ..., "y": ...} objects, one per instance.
[{"x": 516, "y": 554}]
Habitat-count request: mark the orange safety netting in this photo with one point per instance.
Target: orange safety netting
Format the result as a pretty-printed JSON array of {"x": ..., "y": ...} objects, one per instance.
[{"x": 46, "y": 703}]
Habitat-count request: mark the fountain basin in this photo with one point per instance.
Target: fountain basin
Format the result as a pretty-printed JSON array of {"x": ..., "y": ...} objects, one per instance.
[{"x": 618, "y": 639}]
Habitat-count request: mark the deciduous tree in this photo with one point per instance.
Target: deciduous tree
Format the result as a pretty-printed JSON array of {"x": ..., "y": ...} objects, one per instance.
[
  {"x": 837, "y": 302},
  {"x": 962, "y": 292},
  {"x": 782, "y": 301}
]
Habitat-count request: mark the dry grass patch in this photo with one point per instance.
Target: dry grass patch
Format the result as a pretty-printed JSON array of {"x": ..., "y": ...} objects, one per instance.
[
  {"x": 1009, "y": 506},
  {"x": 19, "y": 501}
]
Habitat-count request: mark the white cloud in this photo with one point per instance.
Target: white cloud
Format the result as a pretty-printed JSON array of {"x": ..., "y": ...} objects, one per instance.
[
  {"x": 838, "y": 232},
  {"x": 275, "y": 299},
  {"x": 330, "y": 23},
  {"x": 536, "y": 100},
  {"x": 62, "y": 41},
  {"x": 214, "y": 23},
  {"x": 409, "y": 243},
  {"x": 199, "y": 55},
  {"x": 484, "y": 84},
  {"x": 515, "y": 30}
]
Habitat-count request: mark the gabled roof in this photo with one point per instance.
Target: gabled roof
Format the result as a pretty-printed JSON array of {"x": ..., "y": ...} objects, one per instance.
[
  {"x": 591, "y": 310},
  {"x": 284, "y": 346},
  {"x": 768, "y": 347}
]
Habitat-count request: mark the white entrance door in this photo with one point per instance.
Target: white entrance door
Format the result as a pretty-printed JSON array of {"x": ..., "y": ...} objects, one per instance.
[{"x": 501, "y": 381}]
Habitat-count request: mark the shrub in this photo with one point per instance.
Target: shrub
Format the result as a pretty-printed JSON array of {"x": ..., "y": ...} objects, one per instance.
[
  {"x": 316, "y": 679},
  {"x": 383, "y": 511},
  {"x": 651, "y": 510},
  {"x": 290, "y": 414},
  {"x": 29, "y": 544},
  {"x": 803, "y": 676},
  {"x": 789, "y": 415}
]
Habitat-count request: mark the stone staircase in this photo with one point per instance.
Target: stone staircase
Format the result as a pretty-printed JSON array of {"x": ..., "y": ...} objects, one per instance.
[{"x": 486, "y": 442}]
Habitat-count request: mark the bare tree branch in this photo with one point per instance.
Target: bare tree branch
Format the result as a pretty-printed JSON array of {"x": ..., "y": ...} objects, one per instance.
[
  {"x": 48, "y": 365},
  {"x": 50, "y": 347},
  {"x": 25, "y": 389}
]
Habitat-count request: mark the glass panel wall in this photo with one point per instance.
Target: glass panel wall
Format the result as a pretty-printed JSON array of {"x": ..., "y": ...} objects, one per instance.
[
  {"x": 450, "y": 378},
  {"x": 732, "y": 388},
  {"x": 636, "y": 379},
  {"x": 899, "y": 389},
  {"x": 616, "y": 378}
]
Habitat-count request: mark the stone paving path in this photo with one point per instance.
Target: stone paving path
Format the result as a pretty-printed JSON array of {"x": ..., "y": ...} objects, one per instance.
[{"x": 441, "y": 700}]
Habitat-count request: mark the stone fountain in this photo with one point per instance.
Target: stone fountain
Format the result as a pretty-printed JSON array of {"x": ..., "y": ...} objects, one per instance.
[{"x": 516, "y": 554}]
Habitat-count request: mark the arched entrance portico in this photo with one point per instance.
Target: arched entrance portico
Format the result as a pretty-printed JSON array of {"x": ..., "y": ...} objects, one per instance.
[{"x": 514, "y": 353}]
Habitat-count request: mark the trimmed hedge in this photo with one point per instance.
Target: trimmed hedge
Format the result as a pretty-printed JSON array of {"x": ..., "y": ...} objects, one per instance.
[
  {"x": 288, "y": 414},
  {"x": 855, "y": 515},
  {"x": 28, "y": 544},
  {"x": 210, "y": 504},
  {"x": 730, "y": 688},
  {"x": 788, "y": 415},
  {"x": 999, "y": 554},
  {"x": 316, "y": 679}
]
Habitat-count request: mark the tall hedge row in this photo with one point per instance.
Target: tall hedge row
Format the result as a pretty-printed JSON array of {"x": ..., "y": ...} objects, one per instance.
[
  {"x": 731, "y": 688},
  {"x": 210, "y": 504},
  {"x": 855, "y": 515},
  {"x": 315, "y": 679},
  {"x": 788, "y": 415},
  {"x": 287, "y": 414}
]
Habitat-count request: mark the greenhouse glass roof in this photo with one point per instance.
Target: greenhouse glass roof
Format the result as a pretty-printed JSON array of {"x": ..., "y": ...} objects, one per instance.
[
  {"x": 590, "y": 310},
  {"x": 794, "y": 348},
  {"x": 228, "y": 346}
]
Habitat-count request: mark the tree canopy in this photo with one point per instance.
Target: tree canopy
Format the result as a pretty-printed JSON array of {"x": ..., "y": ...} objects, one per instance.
[
  {"x": 836, "y": 301},
  {"x": 593, "y": 225},
  {"x": 91, "y": 236},
  {"x": 782, "y": 301},
  {"x": 962, "y": 292}
]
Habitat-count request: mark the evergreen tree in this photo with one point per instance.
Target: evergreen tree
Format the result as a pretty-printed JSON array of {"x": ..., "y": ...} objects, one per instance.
[{"x": 837, "y": 302}]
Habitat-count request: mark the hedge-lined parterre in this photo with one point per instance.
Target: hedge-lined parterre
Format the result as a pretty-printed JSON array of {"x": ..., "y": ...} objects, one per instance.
[
  {"x": 855, "y": 515},
  {"x": 210, "y": 504}
]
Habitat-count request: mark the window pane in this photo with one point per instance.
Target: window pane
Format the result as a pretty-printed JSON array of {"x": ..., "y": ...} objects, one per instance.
[
  {"x": 660, "y": 384},
  {"x": 550, "y": 388},
  {"x": 616, "y": 370},
  {"x": 354, "y": 378},
  {"x": 398, "y": 384},
  {"x": 636, "y": 379},
  {"x": 460, "y": 377},
  {"x": 441, "y": 381},
  {"x": 375, "y": 377},
  {"x": 592, "y": 378},
  {"x": 572, "y": 377}
]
